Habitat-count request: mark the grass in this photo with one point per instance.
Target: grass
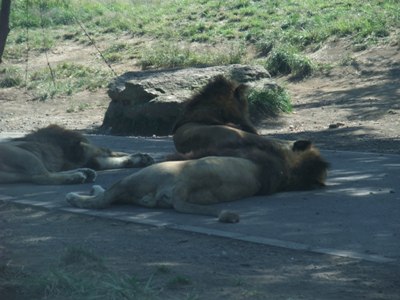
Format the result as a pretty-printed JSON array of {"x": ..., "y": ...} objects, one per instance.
[
  {"x": 82, "y": 274},
  {"x": 64, "y": 79},
  {"x": 295, "y": 23},
  {"x": 191, "y": 33},
  {"x": 284, "y": 61},
  {"x": 267, "y": 101},
  {"x": 79, "y": 275},
  {"x": 171, "y": 55},
  {"x": 10, "y": 77}
]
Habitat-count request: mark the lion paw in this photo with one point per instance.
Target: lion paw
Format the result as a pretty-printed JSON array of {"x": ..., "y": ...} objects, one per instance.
[
  {"x": 140, "y": 160},
  {"x": 73, "y": 199},
  {"x": 76, "y": 176},
  {"x": 88, "y": 175},
  {"x": 228, "y": 217},
  {"x": 86, "y": 200}
]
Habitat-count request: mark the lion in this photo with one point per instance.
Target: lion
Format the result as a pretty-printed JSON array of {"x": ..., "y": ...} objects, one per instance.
[
  {"x": 213, "y": 176},
  {"x": 217, "y": 117},
  {"x": 54, "y": 155}
]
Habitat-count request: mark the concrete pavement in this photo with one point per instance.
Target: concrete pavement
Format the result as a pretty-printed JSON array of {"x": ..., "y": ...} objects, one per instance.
[{"x": 357, "y": 215}]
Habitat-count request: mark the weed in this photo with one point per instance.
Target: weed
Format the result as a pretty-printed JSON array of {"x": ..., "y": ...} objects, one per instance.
[
  {"x": 163, "y": 269},
  {"x": 268, "y": 101},
  {"x": 284, "y": 61},
  {"x": 69, "y": 78},
  {"x": 80, "y": 256},
  {"x": 172, "y": 55},
  {"x": 348, "y": 60},
  {"x": 80, "y": 275},
  {"x": 10, "y": 77},
  {"x": 178, "y": 281},
  {"x": 119, "y": 52}
]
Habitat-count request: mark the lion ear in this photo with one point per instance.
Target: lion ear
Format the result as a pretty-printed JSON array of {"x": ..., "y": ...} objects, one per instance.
[
  {"x": 240, "y": 93},
  {"x": 241, "y": 89}
]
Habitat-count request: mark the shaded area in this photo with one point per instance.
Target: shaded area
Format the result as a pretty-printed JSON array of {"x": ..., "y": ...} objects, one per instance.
[
  {"x": 174, "y": 265},
  {"x": 365, "y": 102},
  {"x": 354, "y": 220},
  {"x": 356, "y": 138},
  {"x": 354, "y": 107},
  {"x": 355, "y": 216}
]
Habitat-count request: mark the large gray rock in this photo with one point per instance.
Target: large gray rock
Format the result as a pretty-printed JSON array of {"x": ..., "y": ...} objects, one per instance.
[{"x": 148, "y": 102}]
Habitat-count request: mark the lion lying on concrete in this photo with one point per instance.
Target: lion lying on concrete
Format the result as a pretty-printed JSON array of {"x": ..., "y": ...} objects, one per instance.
[
  {"x": 217, "y": 117},
  {"x": 54, "y": 155},
  {"x": 189, "y": 186}
]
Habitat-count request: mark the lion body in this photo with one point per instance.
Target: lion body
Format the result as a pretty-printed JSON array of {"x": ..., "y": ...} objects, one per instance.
[
  {"x": 189, "y": 186},
  {"x": 221, "y": 104},
  {"x": 54, "y": 155}
]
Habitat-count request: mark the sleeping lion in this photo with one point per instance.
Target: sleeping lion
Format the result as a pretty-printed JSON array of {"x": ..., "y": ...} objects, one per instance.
[
  {"x": 54, "y": 155},
  {"x": 213, "y": 176}
]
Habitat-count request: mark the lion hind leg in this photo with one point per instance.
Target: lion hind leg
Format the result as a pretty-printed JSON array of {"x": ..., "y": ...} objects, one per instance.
[
  {"x": 13, "y": 177},
  {"x": 76, "y": 176},
  {"x": 45, "y": 177},
  {"x": 223, "y": 216},
  {"x": 95, "y": 199}
]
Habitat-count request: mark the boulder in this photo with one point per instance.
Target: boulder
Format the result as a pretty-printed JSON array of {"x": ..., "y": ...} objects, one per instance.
[{"x": 147, "y": 103}]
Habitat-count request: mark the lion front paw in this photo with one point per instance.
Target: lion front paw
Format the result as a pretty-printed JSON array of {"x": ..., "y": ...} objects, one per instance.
[
  {"x": 140, "y": 160},
  {"x": 88, "y": 175}
]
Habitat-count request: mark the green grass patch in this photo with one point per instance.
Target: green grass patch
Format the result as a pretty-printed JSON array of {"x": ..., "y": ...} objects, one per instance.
[
  {"x": 174, "y": 54},
  {"x": 191, "y": 33},
  {"x": 268, "y": 101},
  {"x": 68, "y": 78},
  {"x": 120, "y": 52},
  {"x": 298, "y": 23},
  {"x": 10, "y": 76},
  {"x": 284, "y": 61}
]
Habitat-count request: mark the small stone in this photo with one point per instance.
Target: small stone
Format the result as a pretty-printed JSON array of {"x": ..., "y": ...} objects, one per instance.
[{"x": 336, "y": 125}]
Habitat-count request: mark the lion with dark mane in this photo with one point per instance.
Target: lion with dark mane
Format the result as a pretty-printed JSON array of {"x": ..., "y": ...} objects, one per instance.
[
  {"x": 220, "y": 158},
  {"x": 190, "y": 185},
  {"x": 217, "y": 117},
  {"x": 54, "y": 155}
]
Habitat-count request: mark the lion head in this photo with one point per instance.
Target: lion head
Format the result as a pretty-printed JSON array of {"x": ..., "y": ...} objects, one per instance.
[{"x": 220, "y": 102}]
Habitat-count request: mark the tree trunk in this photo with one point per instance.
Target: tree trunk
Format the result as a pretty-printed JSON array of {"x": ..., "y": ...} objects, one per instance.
[{"x": 4, "y": 24}]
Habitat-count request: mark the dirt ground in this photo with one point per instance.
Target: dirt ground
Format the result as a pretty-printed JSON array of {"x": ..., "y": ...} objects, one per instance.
[{"x": 354, "y": 106}]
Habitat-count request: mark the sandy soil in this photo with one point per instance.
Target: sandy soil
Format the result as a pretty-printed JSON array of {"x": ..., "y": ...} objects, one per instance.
[{"x": 352, "y": 107}]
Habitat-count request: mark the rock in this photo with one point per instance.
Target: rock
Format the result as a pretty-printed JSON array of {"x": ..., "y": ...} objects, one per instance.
[{"x": 147, "y": 103}]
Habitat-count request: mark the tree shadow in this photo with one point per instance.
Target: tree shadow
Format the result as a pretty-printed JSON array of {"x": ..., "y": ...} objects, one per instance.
[
  {"x": 346, "y": 138},
  {"x": 376, "y": 93}
]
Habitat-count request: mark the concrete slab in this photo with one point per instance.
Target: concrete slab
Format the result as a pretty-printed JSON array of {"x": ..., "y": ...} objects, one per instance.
[{"x": 356, "y": 216}]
